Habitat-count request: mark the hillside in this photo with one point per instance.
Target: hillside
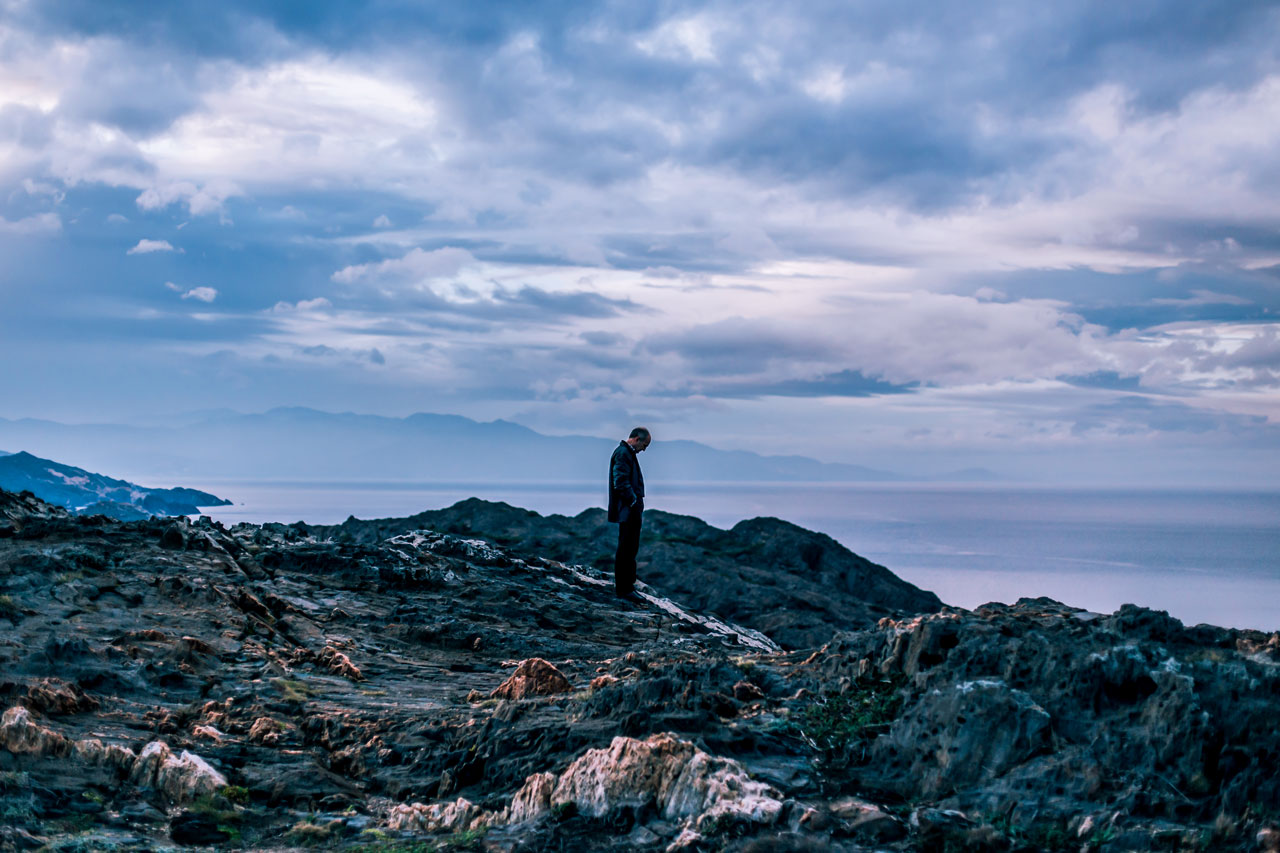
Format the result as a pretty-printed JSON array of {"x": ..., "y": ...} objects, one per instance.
[
  {"x": 86, "y": 493},
  {"x": 795, "y": 585},
  {"x": 259, "y": 688}
]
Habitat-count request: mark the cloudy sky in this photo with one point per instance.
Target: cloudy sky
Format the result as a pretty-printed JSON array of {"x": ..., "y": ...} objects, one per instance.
[{"x": 1039, "y": 237}]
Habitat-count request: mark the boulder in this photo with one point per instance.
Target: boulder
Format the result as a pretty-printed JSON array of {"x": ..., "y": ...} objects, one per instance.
[
  {"x": 533, "y": 677},
  {"x": 675, "y": 778},
  {"x": 960, "y": 736},
  {"x": 20, "y": 734},
  {"x": 182, "y": 778}
]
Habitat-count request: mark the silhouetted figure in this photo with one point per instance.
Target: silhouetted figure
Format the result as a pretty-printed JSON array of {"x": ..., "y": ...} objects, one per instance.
[{"x": 626, "y": 507}]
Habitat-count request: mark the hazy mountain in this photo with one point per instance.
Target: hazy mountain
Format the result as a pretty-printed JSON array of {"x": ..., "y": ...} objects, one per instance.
[
  {"x": 305, "y": 444},
  {"x": 87, "y": 493}
]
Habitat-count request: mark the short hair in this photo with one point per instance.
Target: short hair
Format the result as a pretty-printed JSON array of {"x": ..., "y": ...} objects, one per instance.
[{"x": 640, "y": 433}]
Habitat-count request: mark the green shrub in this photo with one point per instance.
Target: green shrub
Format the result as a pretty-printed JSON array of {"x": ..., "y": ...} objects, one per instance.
[{"x": 838, "y": 726}]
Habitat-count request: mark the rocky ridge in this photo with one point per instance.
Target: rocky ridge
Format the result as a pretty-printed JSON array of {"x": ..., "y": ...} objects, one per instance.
[
  {"x": 168, "y": 682},
  {"x": 795, "y": 585},
  {"x": 86, "y": 493}
]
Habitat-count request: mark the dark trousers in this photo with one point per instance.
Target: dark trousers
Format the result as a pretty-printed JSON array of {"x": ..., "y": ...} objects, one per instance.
[{"x": 624, "y": 563}]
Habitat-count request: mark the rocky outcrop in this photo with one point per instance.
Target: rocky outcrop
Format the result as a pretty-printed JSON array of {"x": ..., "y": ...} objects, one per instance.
[
  {"x": 170, "y": 681},
  {"x": 533, "y": 677},
  {"x": 661, "y": 773},
  {"x": 794, "y": 585},
  {"x": 182, "y": 777}
]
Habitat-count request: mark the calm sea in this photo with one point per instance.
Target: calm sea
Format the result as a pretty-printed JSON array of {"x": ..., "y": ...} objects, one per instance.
[{"x": 1205, "y": 556}]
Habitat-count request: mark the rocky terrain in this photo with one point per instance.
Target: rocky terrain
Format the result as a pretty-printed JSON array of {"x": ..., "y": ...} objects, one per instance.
[
  {"x": 166, "y": 683},
  {"x": 795, "y": 585},
  {"x": 86, "y": 493}
]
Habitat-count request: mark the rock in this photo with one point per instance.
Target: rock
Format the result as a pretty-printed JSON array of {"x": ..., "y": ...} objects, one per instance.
[
  {"x": 266, "y": 731},
  {"x": 688, "y": 841},
  {"x": 340, "y": 664},
  {"x": 208, "y": 732},
  {"x": 532, "y": 800},
  {"x": 678, "y": 780},
  {"x": 93, "y": 751},
  {"x": 174, "y": 537},
  {"x": 17, "y": 838},
  {"x": 182, "y": 778},
  {"x": 197, "y": 830},
  {"x": 457, "y": 816},
  {"x": 20, "y": 734},
  {"x": 962, "y": 735},
  {"x": 55, "y": 696},
  {"x": 602, "y": 681},
  {"x": 533, "y": 677},
  {"x": 745, "y": 691},
  {"x": 1269, "y": 840},
  {"x": 866, "y": 821}
]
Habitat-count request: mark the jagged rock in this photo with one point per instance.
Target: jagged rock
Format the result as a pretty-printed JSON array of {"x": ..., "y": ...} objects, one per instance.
[
  {"x": 340, "y": 664},
  {"x": 962, "y": 735},
  {"x": 182, "y": 777},
  {"x": 533, "y": 677},
  {"x": 680, "y": 781},
  {"x": 20, "y": 734},
  {"x": 266, "y": 731},
  {"x": 457, "y": 816},
  {"x": 866, "y": 821},
  {"x": 1154, "y": 729},
  {"x": 796, "y": 586},
  {"x": 93, "y": 751},
  {"x": 17, "y": 838},
  {"x": 533, "y": 799},
  {"x": 55, "y": 696}
]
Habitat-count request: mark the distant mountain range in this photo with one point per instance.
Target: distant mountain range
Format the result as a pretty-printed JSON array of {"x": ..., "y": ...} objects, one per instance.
[
  {"x": 310, "y": 445},
  {"x": 86, "y": 493}
]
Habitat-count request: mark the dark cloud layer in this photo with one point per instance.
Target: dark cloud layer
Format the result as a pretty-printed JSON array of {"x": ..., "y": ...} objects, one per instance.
[{"x": 649, "y": 206}]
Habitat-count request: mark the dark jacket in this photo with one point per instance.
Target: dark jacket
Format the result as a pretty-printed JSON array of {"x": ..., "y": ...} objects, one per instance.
[{"x": 626, "y": 483}]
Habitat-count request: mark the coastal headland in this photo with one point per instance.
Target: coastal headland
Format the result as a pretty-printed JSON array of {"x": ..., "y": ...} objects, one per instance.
[{"x": 466, "y": 679}]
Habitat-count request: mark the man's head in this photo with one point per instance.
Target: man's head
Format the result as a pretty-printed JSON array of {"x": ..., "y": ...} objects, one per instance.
[{"x": 639, "y": 439}]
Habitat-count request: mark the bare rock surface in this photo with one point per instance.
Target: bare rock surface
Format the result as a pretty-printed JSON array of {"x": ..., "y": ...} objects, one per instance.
[
  {"x": 277, "y": 687},
  {"x": 795, "y": 585}
]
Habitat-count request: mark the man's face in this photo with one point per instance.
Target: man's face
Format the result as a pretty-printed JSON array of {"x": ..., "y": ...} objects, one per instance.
[{"x": 642, "y": 443}]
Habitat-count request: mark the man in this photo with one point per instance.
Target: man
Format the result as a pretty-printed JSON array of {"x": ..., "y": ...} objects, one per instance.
[{"x": 626, "y": 506}]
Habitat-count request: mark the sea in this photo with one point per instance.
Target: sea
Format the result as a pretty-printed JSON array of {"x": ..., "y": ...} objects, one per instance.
[{"x": 1203, "y": 555}]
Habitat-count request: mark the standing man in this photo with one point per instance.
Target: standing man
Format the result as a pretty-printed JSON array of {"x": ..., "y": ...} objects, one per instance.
[{"x": 626, "y": 506}]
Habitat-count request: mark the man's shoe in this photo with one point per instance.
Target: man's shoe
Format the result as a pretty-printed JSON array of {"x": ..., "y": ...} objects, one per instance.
[{"x": 631, "y": 596}]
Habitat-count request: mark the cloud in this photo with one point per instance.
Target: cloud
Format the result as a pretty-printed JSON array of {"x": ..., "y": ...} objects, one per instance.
[
  {"x": 40, "y": 223},
  {"x": 416, "y": 266},
  {"x": 302, "y": 305},
  {"x": 200, "y": 200},
  {"x": 804, "y": 204},
  {"x": 203, "y": 294},
  {"x": 146, "y": 246}
]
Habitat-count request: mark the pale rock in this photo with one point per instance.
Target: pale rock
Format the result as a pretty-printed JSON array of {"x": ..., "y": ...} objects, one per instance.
[
  {"x": 339, "y": 664},
  {"x": 533, "y": 677},
  {"x": 20, "y": 734},
  {"x": 265, "y": 731},
  {"x": 182, "y": 777},
  {"x": 679, "y": 780},
  {"x": 866, "y": 821},
  {"x": 95, "y": 752},
  {"x": 688, "y": 840},
  {"x": 457, "y": 816},
  {"x": 533, "y": 798},
  {"x": 210, "y": 732}
]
